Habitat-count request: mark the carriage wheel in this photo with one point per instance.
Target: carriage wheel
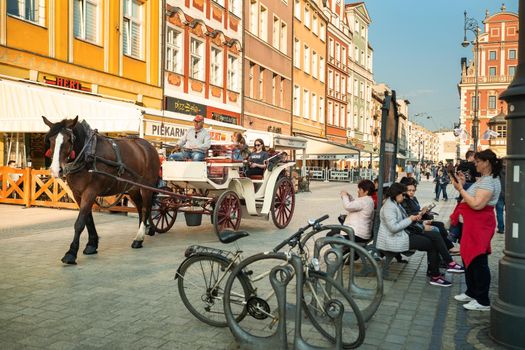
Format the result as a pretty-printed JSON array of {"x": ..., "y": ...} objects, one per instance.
[
  {"x": 283, "y": 202},
  {"x": 227, "y": 212},
  {"x": 163, "y": 212}
]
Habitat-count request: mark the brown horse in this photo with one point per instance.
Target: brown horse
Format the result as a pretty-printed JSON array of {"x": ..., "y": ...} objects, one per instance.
[{"x": 91, "y": 164}]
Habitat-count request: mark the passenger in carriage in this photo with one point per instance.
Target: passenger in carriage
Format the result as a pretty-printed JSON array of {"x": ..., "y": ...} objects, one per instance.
[
  {"x": 194, "y": 144},
  {"x": 257, "y": 159},
  {"x": 240, "y": 148}
]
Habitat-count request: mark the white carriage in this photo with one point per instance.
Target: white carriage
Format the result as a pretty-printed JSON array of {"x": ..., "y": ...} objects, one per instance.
[{"x": 217, "y": 187}]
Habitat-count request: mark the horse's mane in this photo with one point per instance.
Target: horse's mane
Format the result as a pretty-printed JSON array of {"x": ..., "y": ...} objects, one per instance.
[{"x": 81, "y": 130}]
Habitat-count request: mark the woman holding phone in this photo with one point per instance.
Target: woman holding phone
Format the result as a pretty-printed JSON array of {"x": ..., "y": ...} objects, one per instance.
[{"x": 479, "y": 224}]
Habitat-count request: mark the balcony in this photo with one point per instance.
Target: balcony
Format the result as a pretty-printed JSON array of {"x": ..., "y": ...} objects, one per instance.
[{"x": 488, "y": 79}]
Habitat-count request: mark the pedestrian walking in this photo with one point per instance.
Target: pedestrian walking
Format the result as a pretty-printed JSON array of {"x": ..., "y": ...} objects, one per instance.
[
  {"x": 442, "y": 182},
  {"x": 479, "y": 223}
]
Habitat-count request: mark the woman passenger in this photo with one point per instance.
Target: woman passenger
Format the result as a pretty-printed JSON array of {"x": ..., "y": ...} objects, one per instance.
[{"x": 257, "y": 159}]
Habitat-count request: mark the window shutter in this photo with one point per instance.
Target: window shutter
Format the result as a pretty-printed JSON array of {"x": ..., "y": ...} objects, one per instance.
[
  {"x": 91, "y": 22},
  {"x": 125, "y": 37},
  {"x": 77, "y": 18},
  {"x": 135, "y": 39}
]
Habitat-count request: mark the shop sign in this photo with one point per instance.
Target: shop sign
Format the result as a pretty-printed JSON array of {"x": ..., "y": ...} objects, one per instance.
[
  {"x": 185, "y": 107},
  {"x": 66, "y": 83},
  {"x": 275, "y": 129},
  {"x": 283, "y": 142},
  {"x": 165, "y": 129},
  {"x": 176, "y": 131},
  {"x": 224, "y": 118},
  {"x": 326, "y": 156}
]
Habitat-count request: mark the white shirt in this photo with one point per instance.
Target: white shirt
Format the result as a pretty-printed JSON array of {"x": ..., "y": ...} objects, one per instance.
[
  {"x": 360, "y": 215},
  {"x": 193, "y": 139}
]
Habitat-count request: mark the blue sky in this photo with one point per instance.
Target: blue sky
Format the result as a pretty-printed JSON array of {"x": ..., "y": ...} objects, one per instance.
[{"x": 417, "y": 51}]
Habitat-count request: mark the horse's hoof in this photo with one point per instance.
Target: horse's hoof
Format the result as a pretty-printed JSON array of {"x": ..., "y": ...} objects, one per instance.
[
  {"x": 69, "y": 259},
  {"x": 151, "y": 230},
  {"x": 90, "y": 250},
  {"x": 136, "y": 244}
]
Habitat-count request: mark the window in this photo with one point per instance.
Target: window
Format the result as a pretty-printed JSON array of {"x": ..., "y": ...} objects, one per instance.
[
  {"x": 492, "y": 102},
  {"x": 492, "y": 55},
  {"x": 196, "y": 59},
  {"x": 322, "y": 32},
  {"x": 337, "y": 83},
  {"x": 261, "y": 83},
  {"x": 501, "y": 130},
  {"x": 251, "y": 80},
  {"x": 330, "y": 79},
  {"x": 362, "y": 90},
  {"x": 512, "y": 70},
  {"x": 233, "y": 73},
  {"x": 356, "y": 87},
  {"x": 331, "y": 48},
  {"x": 343, "y": 86},
  {"x": 307, "y": 17},
  {"x": 337, "y": 52},
  {"x": 315, "y": 68},
  {"x": 275, "y": 32},
  {"x": 343, "y": 56},
  {"x": 297, "y": 9},
  {"x": 492, "y": 71},
  {"x": 281, "y": 93},
  {"x": 132, "y": 31},
  {"x": 85, "y": 14},
  {"x": 321, "y": 109},
  {"x": 306, "y": 61},
  {"x": 512, "y": 54},
  {"x": 306, "y": 104},
  {"x": 30, "y": 10},
  {"x": 174, "y": 50},
  {"x": 315, "y": 25},
  {"x": 356, "y": 56},
  {"x": 283, "y": 38},
  {"x": 253, "y": 16},
  {"x": 297, "y": 53},
  {"x": 321, "y": 69},
  {"x": 235, "y": 6},
  {"x": 275, "y": 78},
  {"x": 216, "y": 66},
  {"x": 473, "y": 102},
  {"x": 296, "y": 93},
  {"x": 330, "y": 114},
  {"x": 263, "y": 24},
  {"x": 314, "y": 107},
  {"x": 356, "y": 27}
]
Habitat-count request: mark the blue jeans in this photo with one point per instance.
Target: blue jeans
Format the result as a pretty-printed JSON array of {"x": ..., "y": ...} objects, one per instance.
[
  {"x": 499, "y": 214},
  {"x": 196, "y": 156},
  {"x": 441, "y": 188}
]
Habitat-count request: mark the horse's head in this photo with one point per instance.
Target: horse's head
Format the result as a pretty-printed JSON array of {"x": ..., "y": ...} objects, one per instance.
[{"x": 59, "y": 144}]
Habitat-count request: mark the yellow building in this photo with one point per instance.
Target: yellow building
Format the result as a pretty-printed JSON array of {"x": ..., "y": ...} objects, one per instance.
[
  {"x": 309, "y": 67},
  {"x": 98, "y": 59}
]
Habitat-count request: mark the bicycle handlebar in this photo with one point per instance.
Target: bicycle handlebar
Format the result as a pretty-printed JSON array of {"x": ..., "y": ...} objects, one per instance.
[{"x": 293, "y": 239}]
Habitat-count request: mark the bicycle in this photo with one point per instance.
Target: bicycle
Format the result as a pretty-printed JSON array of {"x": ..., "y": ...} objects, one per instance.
[{"x": 327, "y": 305}]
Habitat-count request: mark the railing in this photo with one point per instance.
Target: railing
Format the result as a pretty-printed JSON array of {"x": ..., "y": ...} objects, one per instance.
[
  {"x": 488, "y": 79},
  {"x": 32, "y": 187},
  {"x": 338, "y": 175}
]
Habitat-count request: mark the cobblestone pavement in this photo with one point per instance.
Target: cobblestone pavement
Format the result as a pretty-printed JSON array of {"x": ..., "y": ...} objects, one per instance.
[{"x": 126, "y": 299}]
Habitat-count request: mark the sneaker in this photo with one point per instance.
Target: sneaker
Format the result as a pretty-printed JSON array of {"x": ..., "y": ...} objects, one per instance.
[
  {"x": 439, "y": 281},
  {"x": 455, "y": 268},
  {"x": 475, "y": 306},
  {"x": 463, "y": 298},
  {"x": 501, "y": 231}
]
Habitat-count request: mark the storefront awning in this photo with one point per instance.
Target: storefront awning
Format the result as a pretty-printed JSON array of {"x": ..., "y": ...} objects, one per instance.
[
  {"x": 22, "y": 106},
  {"x": 318, "y": 148}
]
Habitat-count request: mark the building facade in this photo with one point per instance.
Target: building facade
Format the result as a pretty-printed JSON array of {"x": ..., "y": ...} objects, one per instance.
[
  {"x": 202, "y": 68},
  {"x": 267, "y": 65},
  {"x": 423, "y": 144},
  {"x": 447, "y": 142},
  {"x": 360, "y": 80},
  {"x": 497, "y": 55},
  {"x": 309, "y": 68},
  {"x": 337, "y": 71},
  {"x": 99, "y": 60}
]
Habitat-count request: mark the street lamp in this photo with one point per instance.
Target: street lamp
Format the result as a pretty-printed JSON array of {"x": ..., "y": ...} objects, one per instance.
[{"x": 472, "y": 25}]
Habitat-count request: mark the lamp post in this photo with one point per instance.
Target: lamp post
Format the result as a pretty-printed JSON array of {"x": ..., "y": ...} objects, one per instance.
[
  {"x": 472, "y": 25},
  {"x": 507, "y": 316}
]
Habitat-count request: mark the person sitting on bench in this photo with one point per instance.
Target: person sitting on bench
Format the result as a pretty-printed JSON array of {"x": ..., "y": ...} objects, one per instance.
[
  {"x": 392, "y": 236},
  {"x": 360, "y": 210},
  {"x": 257, "y": 159},
  {"x": 194, "y": 144}
]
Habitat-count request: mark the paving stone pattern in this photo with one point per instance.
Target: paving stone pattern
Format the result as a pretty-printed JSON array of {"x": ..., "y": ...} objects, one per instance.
[{"x": 127, "y": 299}]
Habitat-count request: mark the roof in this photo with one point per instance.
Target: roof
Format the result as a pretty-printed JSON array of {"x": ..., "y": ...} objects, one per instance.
[{"x": 498, "y": 119}]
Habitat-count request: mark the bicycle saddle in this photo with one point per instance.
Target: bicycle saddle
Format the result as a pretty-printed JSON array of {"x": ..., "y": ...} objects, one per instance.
[{"x": 228, "y": 236}]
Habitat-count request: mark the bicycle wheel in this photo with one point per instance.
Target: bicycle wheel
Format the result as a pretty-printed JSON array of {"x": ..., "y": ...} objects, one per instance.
[
  {"x": 201, "y": 280},
  {"x": 319, "y": 293}
]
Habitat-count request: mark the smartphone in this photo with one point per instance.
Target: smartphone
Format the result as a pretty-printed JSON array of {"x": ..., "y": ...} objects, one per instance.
[{"x": 453, "y": 175}]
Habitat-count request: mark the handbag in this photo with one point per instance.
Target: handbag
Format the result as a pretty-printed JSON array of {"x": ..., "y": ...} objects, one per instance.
[{"x": 415, "y": 228}]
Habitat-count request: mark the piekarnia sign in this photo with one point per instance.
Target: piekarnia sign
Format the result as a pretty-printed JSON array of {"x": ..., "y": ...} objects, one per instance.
[{"x": 165, "y": 129}]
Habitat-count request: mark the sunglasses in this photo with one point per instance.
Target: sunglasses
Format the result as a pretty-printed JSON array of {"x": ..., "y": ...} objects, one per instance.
[{"x": 257, "y": 145}]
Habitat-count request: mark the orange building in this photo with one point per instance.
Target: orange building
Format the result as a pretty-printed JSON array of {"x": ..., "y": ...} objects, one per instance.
[
  {"x": 498, "y": 58},
  {"x": 98, "y": 59}
]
